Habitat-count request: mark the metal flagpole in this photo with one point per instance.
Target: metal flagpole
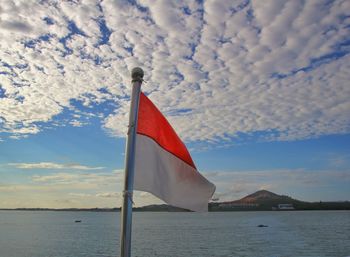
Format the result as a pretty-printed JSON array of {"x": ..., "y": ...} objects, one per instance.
[{"x": 126, "y": 212}]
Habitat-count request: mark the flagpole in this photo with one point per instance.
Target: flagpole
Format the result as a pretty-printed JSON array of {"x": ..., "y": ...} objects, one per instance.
[{"x": 126, "y": 212}]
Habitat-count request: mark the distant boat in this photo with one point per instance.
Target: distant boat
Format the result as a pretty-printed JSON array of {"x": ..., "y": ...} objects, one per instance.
[{"x": 77, "y": 221}]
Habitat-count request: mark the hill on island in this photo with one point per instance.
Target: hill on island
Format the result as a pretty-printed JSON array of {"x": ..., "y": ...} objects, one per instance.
[
  {"x": 264, "y": 197},
  {"x": 260, "y": 200},
  {"x": 264, "y": 200}
]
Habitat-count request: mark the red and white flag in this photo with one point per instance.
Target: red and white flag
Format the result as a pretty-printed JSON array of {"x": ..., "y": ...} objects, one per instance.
[{"x": 163, "y": 165}]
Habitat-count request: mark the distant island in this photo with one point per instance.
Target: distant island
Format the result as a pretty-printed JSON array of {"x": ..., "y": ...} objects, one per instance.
[
  {"x": 264, "y": 200},
  {"x": 261, "y": 200}
]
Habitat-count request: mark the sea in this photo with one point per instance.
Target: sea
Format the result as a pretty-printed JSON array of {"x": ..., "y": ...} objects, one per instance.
[{"x": 176, "y": 234}]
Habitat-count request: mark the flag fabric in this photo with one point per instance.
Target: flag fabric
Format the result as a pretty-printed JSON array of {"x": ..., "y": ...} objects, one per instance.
[{"x": 163, "y": 165}]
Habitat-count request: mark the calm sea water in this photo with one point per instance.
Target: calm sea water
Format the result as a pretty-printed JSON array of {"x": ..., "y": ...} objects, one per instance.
[{"x": 55, "y": 234}]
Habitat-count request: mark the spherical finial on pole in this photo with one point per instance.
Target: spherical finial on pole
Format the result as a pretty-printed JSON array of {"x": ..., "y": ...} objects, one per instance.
[{"x": 137, "y": 74}]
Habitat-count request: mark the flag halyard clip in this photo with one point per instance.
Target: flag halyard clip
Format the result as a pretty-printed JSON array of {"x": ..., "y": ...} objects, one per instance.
[
  {"x": 129, "y": 194},
  {"x": 130, "y": 127}
]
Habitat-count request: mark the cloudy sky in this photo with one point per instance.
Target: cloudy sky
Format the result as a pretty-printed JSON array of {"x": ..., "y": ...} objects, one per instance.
[{"x": 258, "y": 90}]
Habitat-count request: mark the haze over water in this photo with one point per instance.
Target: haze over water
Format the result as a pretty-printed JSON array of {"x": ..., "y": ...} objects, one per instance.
[{"x": 298, "y": 233}]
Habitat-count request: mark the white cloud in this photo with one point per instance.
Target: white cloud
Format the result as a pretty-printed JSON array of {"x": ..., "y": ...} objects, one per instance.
[
  {"x": 80, "y": 195},
  {"x": 87, "y": 183},
  {"x": 54, "y": 166},
  {"x": 109, "y": 194},
  {"x": 77, "y": 123},
  {"x": 279, "y": 67}
]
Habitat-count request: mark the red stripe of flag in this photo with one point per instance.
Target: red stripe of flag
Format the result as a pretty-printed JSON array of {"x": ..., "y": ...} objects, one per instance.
[{"x": 153, "y": 124}]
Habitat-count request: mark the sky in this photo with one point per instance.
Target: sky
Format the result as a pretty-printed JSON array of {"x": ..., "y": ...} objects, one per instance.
[{"x": 258, "y": 90}]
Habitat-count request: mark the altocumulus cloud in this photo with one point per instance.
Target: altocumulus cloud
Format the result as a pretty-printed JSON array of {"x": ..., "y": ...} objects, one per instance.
[{"x": 217, "y": 68}]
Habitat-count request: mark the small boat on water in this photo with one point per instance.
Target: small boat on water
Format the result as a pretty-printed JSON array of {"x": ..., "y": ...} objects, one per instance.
[{"x": 77, "y": 221}]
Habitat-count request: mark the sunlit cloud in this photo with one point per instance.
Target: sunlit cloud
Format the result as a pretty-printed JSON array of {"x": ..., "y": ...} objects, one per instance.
[
  {"x": 53, "y": 166},
  {"x": 95, "y": 179},
  {"x": 80, "y": 195},
  {"x": 109, "y": 194}
]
